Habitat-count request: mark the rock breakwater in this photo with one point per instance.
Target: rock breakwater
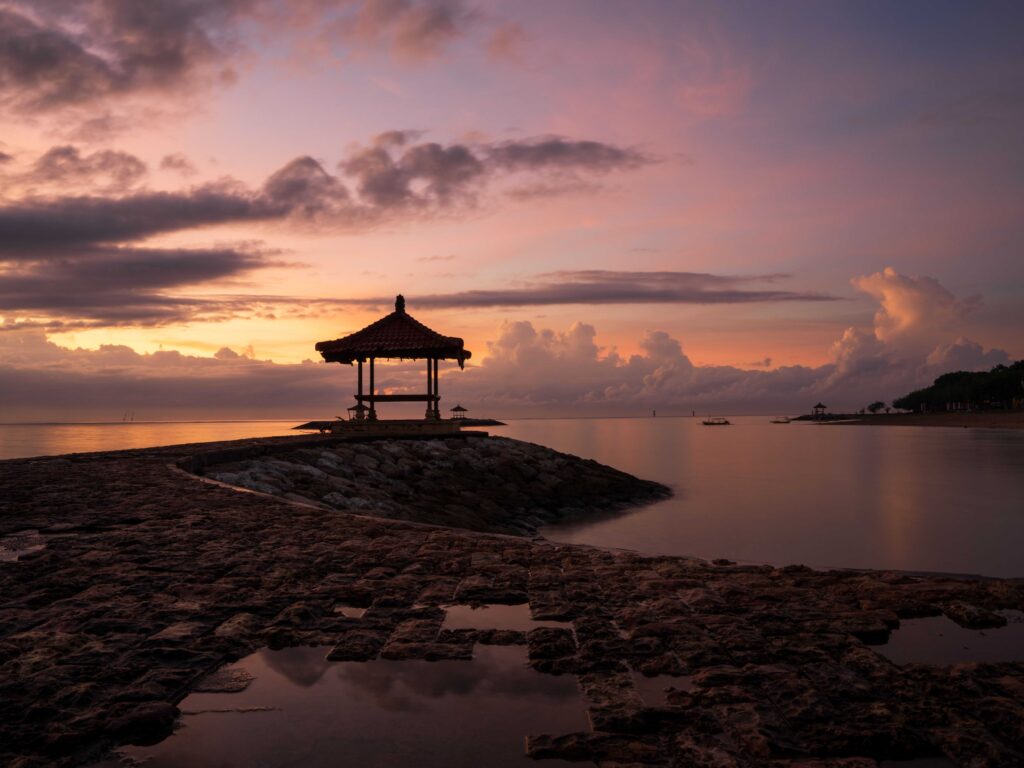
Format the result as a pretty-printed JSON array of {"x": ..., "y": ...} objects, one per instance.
[{"x": 476, "y": 482}]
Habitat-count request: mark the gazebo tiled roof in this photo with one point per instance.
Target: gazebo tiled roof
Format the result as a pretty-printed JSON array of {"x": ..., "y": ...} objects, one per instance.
[{"x": 397, "y": 335}]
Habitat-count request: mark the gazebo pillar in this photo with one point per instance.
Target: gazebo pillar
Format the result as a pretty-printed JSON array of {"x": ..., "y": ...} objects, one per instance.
[
  {"x": 359, "y": 394},
  {"x": 372, "y": 415},
  {"x": 430, "y": 390},
  {"x": 437, "y": 397}
]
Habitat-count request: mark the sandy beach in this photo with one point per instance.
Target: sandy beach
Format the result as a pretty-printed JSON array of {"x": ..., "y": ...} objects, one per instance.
[{"x": 981, "y": 419}]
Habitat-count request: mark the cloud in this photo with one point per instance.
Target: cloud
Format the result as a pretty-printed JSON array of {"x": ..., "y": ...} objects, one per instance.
[
  {"x": 66, "y": 166},
  {"x": 526, "y": 370},
  {"x": 98, "y": 67},
  {"x": 178, "y": 163},
  {"x": 126, "y": 286},
  {"x": 620, "y": 287},
  {"x": 559, "y": 153},
  {"x": 412, "y": 31},
  {"x": 82, "y": 258},
  {"x": 442, "y": 174},
  {"x": 914, "y": 312},
  {"x": 913, "y": 338},
  {"x": 38, "y": 228},
  {"x": 58, "y": 54}
]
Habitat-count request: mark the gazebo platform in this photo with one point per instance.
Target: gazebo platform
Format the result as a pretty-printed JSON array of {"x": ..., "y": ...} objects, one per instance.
[{"x": 397, "y": 427}]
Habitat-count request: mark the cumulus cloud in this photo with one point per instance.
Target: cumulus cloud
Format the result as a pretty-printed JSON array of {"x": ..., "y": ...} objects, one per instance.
[
  {"x": 41, "y": 379},
  {"x": 526, "y": 370},
  {"x": 915, "y": 334},
  {"x": 914, "y": 312}
]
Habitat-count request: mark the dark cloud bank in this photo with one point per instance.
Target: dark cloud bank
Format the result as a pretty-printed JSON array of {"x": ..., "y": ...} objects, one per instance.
[{"x": 82, "y": 259}]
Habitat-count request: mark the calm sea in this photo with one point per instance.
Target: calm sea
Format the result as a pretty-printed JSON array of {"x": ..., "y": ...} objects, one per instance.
[{"x": 929, "y": 499}]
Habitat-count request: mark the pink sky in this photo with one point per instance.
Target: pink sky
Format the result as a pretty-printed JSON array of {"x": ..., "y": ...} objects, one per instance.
[{"x": 808, "y": 200}]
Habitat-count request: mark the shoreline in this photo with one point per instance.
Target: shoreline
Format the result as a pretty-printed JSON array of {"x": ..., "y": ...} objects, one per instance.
[
  {"x": 977, "y": 419},
  {"x": 142, "y": 579}
]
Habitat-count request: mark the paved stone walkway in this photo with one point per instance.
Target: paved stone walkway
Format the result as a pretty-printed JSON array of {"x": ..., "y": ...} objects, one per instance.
[{"x": 151, "y": 579}]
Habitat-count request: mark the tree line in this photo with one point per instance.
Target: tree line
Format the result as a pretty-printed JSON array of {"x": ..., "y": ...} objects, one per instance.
[{"x": 1002, "y": 387}]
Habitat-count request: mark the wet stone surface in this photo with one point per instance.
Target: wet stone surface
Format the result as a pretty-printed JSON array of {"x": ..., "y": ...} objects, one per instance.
[
  {"x": 493, "y": 484},
  {"x": 166, "y": 579},
  {"x": 20, "y": 545}
]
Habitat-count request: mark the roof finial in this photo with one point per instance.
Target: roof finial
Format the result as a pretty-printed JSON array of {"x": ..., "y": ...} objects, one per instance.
[{"x": 399, "y": 303}]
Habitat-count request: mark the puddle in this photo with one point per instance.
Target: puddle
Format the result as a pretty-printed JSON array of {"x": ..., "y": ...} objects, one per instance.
[
  {"x": 349, "y": 611},
  {"x": 513, "y": 617},
  {"x": 654, "y": 690},
  {"x": 301, "y": 710},
  {"x": 14, "y": 546},
  {"x": 939, "y": 640}
]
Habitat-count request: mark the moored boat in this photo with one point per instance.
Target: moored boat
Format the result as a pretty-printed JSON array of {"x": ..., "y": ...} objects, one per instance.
[{"x": 716, "y": 421}]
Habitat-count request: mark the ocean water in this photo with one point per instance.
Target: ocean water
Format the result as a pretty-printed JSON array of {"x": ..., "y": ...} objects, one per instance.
[
  {"x": 24, "y": 440},
  {"x": 910, "y": 498}
]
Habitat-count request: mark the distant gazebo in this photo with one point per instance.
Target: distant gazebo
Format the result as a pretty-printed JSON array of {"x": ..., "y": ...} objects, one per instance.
[
  {"x": 357, "y": 412},
  {"x": 458, "y": 412},
  {"x": 395, "y": 336},
  {"x": 819, "y": 410}
]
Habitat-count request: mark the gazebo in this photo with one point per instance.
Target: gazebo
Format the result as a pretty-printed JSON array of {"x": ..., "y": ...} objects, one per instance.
[
  {"x": 396, "y": 336},
  {"x": 458, "y": 412},
  {"x": 819, "y": 410}
]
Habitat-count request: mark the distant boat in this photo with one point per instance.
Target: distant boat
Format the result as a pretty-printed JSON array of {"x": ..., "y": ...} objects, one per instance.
[
  {"x": 716, "y": 421},
  {"x": 780, "y": 420}
]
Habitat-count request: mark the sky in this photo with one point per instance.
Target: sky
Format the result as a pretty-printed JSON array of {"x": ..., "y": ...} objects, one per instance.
[{"x": 721, "y": 207}]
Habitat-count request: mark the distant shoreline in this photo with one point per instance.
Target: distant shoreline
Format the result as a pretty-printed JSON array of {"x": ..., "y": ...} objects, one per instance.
[{"x": 983, "y": 419}]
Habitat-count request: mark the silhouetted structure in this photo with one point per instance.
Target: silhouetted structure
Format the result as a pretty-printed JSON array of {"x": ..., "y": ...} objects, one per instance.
[
  {"x": 819, "y": 410},
  {"x": 357, "y": 412},
  {"x": 1001, "y": 388},
  {"x": 458, "y": 412},
  {"x": 395, "y": 336}
]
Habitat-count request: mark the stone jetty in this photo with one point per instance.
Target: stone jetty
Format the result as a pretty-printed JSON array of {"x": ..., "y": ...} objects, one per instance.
[
  {"x": 139, "y": 574},
  {"x": 495, "y": 485}
]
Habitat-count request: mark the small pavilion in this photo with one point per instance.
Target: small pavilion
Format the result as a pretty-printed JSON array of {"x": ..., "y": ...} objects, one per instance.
[
  {"x": 395, "y": 336},
  {"x": 819, "y": 410},
  {"x": 458, "y": 412}
]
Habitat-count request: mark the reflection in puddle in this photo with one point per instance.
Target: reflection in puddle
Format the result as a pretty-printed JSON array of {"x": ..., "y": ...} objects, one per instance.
[
  {"x": 939, "y": 640},
  {"x": 16, "y": 545},
  {"x": 654, "y": 690},
  {"x": 304, "y": 711},
  {"x": 508, "y": 617}
]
